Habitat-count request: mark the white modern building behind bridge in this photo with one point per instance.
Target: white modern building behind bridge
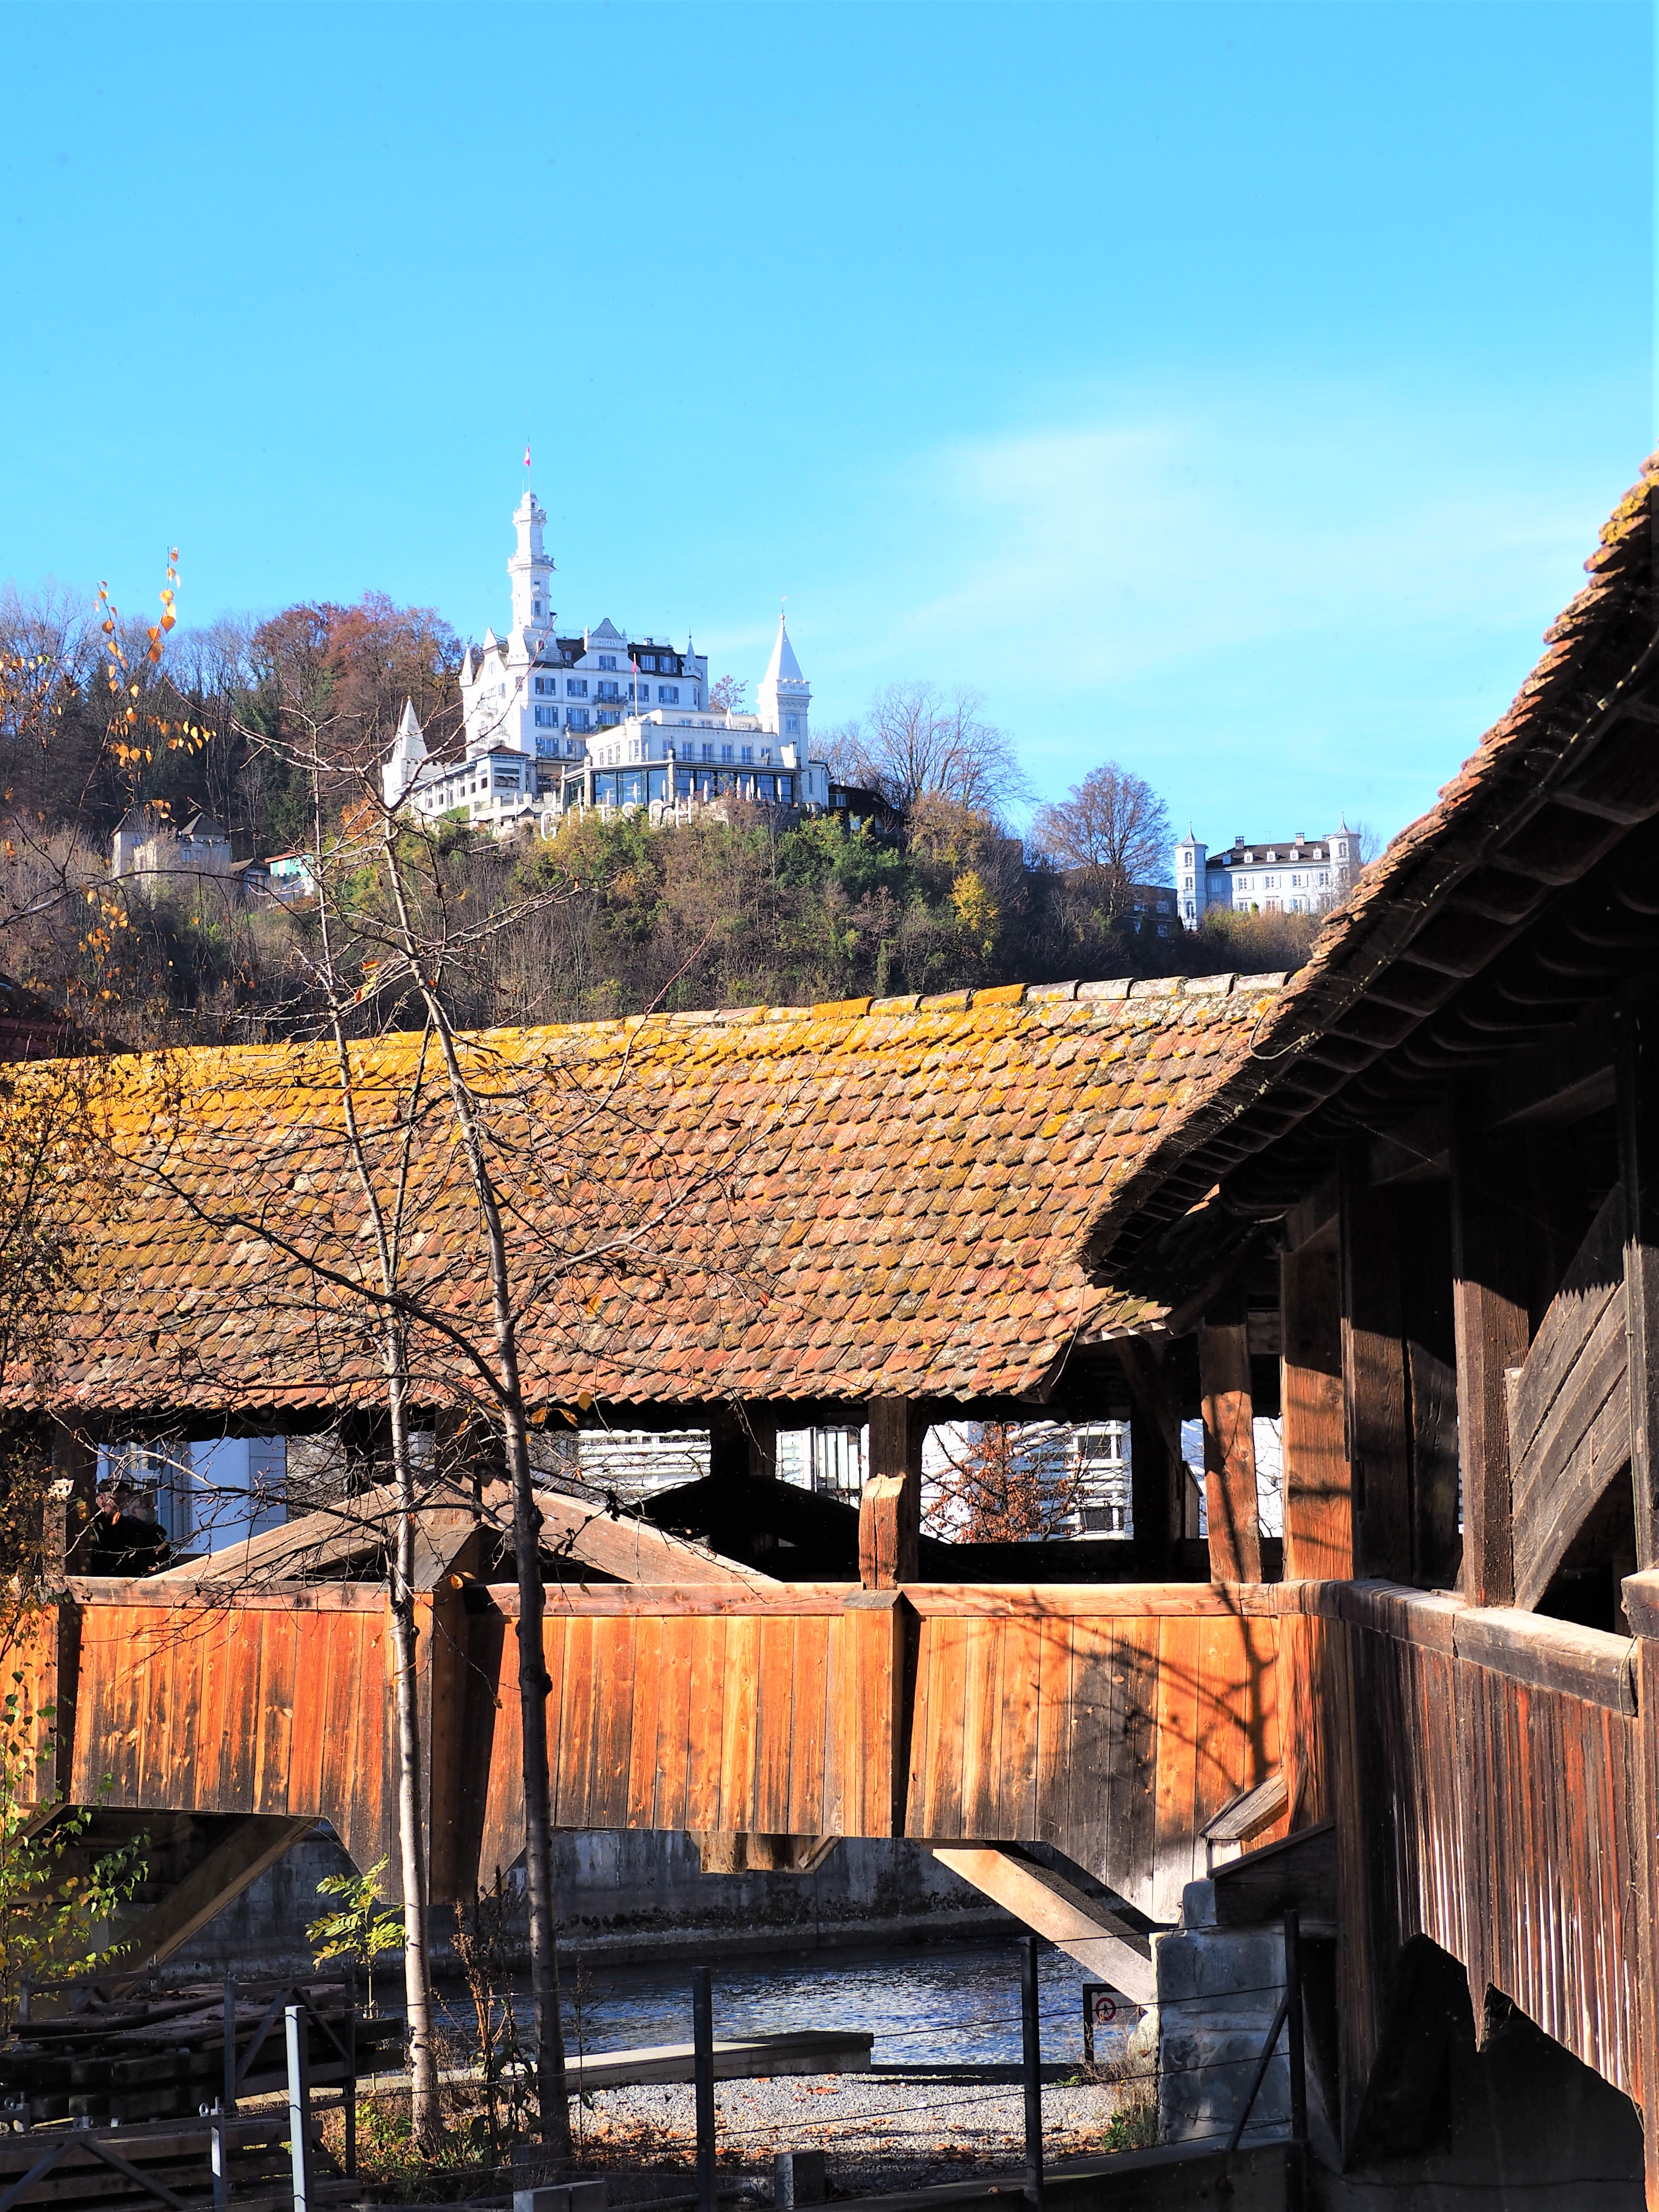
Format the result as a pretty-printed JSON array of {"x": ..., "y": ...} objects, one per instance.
[
  {"x": 601, "y": 718},
  {"x": 1288, "y": 875}
]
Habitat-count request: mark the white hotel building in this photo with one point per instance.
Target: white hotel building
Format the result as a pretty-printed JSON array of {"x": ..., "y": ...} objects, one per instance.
[
  {"x": 601, "y": 720},
  {"x": 1290, "y": 875}
]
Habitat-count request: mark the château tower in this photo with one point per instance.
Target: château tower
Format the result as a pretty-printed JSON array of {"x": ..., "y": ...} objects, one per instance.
[{"x": 531, "y": 568}]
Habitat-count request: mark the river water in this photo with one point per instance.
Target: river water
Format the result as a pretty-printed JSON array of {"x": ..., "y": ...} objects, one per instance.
[{"x": 940, "y": 2004}]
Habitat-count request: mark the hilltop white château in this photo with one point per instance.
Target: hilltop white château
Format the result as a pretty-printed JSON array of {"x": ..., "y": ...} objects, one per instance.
[
  {"x": 1290, "y": 875},
  {"x": 601, "y": 718}
]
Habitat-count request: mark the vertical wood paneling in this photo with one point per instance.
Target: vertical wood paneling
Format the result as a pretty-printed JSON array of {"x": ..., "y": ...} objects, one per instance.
[
  {"x": 1175, "y": 1788},
  {"x": 1497, "y": 1817},
  {"x": 708, "y": 1719},
  {"x": 278, "y": 1643},
  {"x": 776, "y": 1660},
  {"x": 645, "y": 1747},
  {"x": 615, "y": 1669},
  {"x": 1058, "y": 1730},
  {"x": 1017, "y": 1738},
  {"x": 320, "y": 1654},
  {"x": 809, "y": 1691},
  {"x": 673, "y": 1726},
  {"x": 741, "y": 1671}
]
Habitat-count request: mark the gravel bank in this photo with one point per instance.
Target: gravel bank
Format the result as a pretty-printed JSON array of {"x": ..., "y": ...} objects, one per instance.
[{"x": 892, "y": 2128}]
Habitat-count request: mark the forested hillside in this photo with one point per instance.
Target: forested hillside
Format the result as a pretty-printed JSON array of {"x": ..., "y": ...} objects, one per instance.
[{"x": 272, "y": 727}]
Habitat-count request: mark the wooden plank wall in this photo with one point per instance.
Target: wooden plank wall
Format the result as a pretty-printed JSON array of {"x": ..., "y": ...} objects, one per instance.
[
  {"x": 1081, "y": 1718},
  {"x": 255, "y": 1707},
  {"x": 1114, "y": 1735},
  {"x": 775, "y": 1716},
  {"x": 1495, "y": 1814}
]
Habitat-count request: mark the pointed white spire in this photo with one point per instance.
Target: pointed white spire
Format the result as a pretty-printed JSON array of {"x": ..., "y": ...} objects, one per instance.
[
  {"x": 404, "y": 763},
  {"x": 783, "y": 665},
  {"x": 785, "y": 694}
]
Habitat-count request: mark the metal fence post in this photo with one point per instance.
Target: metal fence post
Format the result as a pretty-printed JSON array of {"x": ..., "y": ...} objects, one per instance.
[
  {"x": 218, "y": 2155},
  {"x": 702, "y": 2074},
  {"x": 299, "y": 2104},
  {"x": 228, "y": 2103},
  {"x": 1294, "y": 2045},
  {"x": 1031, "y": 2039},
  {"x": 351, "y": 2069}
]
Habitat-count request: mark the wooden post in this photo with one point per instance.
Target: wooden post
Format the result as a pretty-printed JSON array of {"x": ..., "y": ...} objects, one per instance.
[
  {"x": 1641, "y": 1601},
  {"x": 1158, "y": 1476},
  {"x": 1637, "y": 1039},
  {"x": 762, "y": 1425},
  {"x": 728, "y": 1445},
  {"x": 889, "y": 1511},
  {"x": 1223, "y": 1369},
  {"x": 1318, "y": 1503},
  {"x": 1375, "y": 1386},
  {"x": 743, "y": 1441},
  {"x": 1489, "y": 1309}
]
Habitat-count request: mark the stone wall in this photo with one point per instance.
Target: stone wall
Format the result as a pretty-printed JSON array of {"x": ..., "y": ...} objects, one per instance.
[{"x": 629, "y": 1895}]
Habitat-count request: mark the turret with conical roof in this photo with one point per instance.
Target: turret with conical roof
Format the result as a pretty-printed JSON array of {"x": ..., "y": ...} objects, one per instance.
[
  {"x": 785, "y": 694},
  {"x": 408, "y": 756}
]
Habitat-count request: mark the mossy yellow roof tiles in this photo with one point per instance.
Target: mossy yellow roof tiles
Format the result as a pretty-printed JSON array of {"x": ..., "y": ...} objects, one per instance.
[{"x": 831, "y": 1202}]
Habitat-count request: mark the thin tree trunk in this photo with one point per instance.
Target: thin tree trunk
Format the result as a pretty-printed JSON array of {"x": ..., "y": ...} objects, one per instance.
[
  {"x": 426, "y": 2109},
  {"x": 552, "y": 2087},
  {"x": 426, "y": 2106}
]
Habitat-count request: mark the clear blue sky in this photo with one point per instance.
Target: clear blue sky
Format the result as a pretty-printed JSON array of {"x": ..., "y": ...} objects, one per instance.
[{"x": 1234, "y": 391}]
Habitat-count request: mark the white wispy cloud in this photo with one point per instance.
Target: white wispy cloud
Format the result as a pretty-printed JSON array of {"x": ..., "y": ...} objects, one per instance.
[{"x": 1256, "y": 595}]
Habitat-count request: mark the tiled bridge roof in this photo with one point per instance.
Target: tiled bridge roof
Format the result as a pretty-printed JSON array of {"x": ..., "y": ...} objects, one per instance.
[{"x": 829, "y": 1202}]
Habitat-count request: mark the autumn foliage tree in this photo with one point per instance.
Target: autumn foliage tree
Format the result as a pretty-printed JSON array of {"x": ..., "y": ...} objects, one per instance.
[{"x": 1004, "y": 1483}]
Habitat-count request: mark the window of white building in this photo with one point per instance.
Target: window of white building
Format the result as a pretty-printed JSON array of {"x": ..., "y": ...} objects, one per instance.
[
  {"x": 668, "y": 695},
  {"x": 577, "y": 687},
  {"x": 748, "y": 756},
  {"x": 725, "y": 752}
]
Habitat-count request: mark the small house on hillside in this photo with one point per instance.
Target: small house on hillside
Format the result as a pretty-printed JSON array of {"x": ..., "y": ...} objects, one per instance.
[{"x": 148, "y": 844}]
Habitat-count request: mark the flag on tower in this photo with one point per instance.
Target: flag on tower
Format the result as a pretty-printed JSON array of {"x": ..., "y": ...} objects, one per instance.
[{"x": 526, "y": 457}]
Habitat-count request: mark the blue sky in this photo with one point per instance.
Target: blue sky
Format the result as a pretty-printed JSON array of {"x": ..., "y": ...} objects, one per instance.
[{"x": 1231, "y": 390}]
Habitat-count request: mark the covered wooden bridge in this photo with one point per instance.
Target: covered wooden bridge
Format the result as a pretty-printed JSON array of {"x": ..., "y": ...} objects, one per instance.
[
  {"x": 744, "y": 1224},
  {"x": 1407, "y": 1199}
]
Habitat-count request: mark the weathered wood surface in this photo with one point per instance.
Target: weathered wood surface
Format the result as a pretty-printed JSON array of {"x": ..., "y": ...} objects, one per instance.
[
  {"x": 1229, "y": 1489},
  {"x": 1375, "y": 1381},
  {"x": 1496, "y": 1816},
  {"x": 1112, "y": 1722},
  {"x": 1491, "y": 1317},
  {"x": 770, "y": 1722},
  {"x": 238, "y": 1709},
  {"x": 1318, "y": 1498},
  {"x": 1437, "y": 1545},
  {"x": 889, "y": 1510},
  {"x": 1116, "y": 1740},
  {"x": 1569, "y": 1405}
]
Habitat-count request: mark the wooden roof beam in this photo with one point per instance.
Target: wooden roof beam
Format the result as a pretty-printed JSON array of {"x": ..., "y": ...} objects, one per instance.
[
  {"x": 1560, "y": 844},
  {"x": 1456, "y": 942}
]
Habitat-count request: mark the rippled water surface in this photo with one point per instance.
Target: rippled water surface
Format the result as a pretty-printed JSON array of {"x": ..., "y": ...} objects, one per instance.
[{"x": 944, "y": 2004}]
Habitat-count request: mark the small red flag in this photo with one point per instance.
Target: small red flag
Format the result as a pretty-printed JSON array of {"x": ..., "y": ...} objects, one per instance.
[{"x": 526, "y": 457}]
